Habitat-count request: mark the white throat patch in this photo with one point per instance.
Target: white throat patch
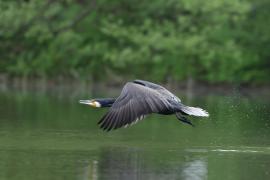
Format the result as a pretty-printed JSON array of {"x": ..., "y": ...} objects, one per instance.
[{"x": 97, "y": 104}]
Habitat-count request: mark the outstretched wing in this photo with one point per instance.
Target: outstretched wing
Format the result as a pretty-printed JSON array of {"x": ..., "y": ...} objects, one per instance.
[{"x": 134, "y": 102}]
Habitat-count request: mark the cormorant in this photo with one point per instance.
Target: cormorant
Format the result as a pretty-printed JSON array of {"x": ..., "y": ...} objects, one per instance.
[{"x": 138, "y": 99}]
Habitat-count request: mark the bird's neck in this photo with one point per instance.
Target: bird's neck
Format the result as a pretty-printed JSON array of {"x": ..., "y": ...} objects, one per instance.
[{"x": 106, "y": 102}]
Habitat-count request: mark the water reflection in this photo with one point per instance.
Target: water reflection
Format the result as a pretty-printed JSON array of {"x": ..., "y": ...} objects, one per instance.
[
  {"x": 129, "y": 163},
  {"x": 136, "y": 163},
  {"x": 110, "y": 163},
  {"x": 90, "y": 171},
  {"x": 195, "y": 170},
  {"x": 120, "y": 164}
]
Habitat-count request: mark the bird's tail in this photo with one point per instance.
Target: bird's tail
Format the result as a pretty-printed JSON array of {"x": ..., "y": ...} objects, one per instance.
[{"x": 194, "y": 111}]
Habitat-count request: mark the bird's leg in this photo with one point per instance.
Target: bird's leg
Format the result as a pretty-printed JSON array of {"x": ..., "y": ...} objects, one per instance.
[{"x": 184, "y": 119}]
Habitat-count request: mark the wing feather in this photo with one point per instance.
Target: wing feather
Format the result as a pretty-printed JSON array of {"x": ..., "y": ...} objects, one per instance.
[{"x": 134, "y": 102}]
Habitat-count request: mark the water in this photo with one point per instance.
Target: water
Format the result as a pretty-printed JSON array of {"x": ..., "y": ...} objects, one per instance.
[{"x": 47, "y": 136}]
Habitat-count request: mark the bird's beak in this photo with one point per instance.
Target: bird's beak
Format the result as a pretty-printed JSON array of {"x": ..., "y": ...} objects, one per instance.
[{"x": 88, "y": 102}]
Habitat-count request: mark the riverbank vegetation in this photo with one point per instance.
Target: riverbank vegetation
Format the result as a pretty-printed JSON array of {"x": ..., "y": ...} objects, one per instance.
[{"x": 212, "y": 41}]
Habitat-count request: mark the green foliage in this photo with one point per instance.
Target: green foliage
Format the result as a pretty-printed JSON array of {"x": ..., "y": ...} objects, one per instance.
[{"x": 213, "y": 40}]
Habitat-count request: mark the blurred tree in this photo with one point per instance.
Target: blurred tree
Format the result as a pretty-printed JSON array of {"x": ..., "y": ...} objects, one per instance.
[{"x": 213, "y": 40}]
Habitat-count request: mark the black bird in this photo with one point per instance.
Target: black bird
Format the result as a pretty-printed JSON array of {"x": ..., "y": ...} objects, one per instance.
[{"x": 138, "y": 99}]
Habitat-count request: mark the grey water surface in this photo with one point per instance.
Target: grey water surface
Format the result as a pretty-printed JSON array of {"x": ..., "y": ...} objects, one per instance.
[{"x": 50, "y": 136}]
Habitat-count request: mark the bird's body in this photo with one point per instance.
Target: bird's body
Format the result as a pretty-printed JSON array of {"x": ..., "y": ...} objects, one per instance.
[{"x": 138, "y": 99}]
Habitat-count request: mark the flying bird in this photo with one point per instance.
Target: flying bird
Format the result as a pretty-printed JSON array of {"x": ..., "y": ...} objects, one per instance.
[{"x": 138, "y": 99}]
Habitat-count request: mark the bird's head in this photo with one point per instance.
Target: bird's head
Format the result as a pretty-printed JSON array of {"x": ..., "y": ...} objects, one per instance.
[
  {"x": 97, "y": 103},
  {"x": 93, "y": 103}
]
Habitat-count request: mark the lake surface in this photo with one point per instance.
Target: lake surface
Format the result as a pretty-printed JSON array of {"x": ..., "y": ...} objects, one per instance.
[{"x": 50, "y": 136}]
